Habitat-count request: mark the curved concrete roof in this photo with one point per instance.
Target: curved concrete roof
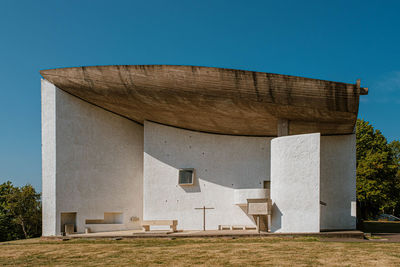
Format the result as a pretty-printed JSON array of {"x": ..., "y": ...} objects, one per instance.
[{"x": 215, "y": 100}]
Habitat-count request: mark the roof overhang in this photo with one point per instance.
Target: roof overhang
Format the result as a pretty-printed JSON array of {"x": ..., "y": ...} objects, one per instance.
[{"x": 215, "y": 100}]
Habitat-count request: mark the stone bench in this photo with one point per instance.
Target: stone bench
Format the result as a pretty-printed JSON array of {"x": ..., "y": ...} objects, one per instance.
[
  {"x": 237, "y": 227},
  {"x": 172, "y": 224}
]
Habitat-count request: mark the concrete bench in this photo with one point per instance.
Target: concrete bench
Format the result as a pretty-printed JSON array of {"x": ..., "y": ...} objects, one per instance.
[
  {"x": 172, "y": 224},
  {"x": 237, "y": 227},
  {"x": 224, "y": 227}
]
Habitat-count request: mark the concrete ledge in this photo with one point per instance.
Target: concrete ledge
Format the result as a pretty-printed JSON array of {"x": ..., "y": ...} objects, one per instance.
[{"x": 211, "y": 233}]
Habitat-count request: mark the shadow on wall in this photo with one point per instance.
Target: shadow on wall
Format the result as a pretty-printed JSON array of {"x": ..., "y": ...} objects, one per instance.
[
  {"x": 244, "y": 209},
  {"x": 276, "y": 220},
  {"x": 237, "y": 162},
  {"x": 195, "y": 188}
]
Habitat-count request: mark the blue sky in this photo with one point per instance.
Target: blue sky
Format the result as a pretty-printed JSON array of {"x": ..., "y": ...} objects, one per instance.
[{"x": 332, "y": 40}]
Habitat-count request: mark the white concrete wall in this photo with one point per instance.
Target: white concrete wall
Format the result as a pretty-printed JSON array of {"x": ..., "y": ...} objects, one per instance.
[
  {"x": 93, "y": 163},
  {"x": 295, "y": 182},
  {"x": 242, "y": 195},
  {"x": 98, "y": 163},
  {"x": 338, "y": 182},
  {"x": 48, "y": 158},
  {"x": 222, "y": 164}
]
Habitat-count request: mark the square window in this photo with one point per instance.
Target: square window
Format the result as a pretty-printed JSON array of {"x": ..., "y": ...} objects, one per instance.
[{"x": 186, "y": 177}]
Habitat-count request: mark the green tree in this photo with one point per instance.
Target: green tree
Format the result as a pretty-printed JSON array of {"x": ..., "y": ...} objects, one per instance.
[
  {"x": 395, "y": 147},
  {"x": 8, "y": 229},
  {"x": 20, "y": 212},
  {"x": 377, "y": 190}
]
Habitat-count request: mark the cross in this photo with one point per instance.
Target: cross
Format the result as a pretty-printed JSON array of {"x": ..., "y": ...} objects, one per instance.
[{"x": 204, "y": 215}]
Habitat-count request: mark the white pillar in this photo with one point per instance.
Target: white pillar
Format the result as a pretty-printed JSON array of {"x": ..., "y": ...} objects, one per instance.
[
  {"x": 295, "y": 183},
  {"x": 48, "y": 159}
]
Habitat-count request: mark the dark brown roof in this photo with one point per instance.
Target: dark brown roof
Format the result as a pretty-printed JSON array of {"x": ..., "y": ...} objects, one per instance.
[{"x": 215, "y": 100}]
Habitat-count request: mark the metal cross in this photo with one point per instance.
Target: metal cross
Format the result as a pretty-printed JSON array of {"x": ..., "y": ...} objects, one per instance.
[{"x": 204, "y": 215}]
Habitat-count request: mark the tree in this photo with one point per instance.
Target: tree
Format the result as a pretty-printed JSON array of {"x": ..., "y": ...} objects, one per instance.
[
  {"x": 8, "y": 229},
  {"x": 377, "y": 187},
  {"x": 20, "y": 212},
  {"x": 395, "y": 147}
]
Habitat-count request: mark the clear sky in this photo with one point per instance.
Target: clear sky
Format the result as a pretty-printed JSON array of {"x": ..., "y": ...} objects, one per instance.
[{"x": 332, "y": 40}]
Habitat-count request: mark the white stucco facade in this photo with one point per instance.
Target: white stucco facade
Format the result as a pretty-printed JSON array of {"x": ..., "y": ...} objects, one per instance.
[
  {"x": 223, "y": 166},
  {"x": 49, "y": 199},
  {"x": 105, "y": 172},
  {"x": 338, "y": 182},
  {"x": 92, "y": 164},
  {"x": 313, "y": 183},
  {"x": 295, "y": 183}
]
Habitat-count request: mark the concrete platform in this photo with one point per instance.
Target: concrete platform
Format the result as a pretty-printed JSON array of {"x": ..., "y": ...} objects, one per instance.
[{"x": 210, "y": 233}]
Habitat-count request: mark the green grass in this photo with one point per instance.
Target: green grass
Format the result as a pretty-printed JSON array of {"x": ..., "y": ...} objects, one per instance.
[{"x": 305, "y": 251}]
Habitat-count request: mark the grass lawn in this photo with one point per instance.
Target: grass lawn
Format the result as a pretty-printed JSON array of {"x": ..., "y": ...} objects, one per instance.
[{"x": 198, "y": 251}]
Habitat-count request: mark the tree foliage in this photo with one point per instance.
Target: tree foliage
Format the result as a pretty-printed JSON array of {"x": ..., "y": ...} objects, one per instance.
[
  {"x": 20, "y": 212},
  {"x": 377, "y": 172}
]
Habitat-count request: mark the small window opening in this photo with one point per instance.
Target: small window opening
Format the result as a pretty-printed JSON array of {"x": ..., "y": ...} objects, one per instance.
[
  {"x": 186, "y": 176},
  {"x": 68, "y": 218}
]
